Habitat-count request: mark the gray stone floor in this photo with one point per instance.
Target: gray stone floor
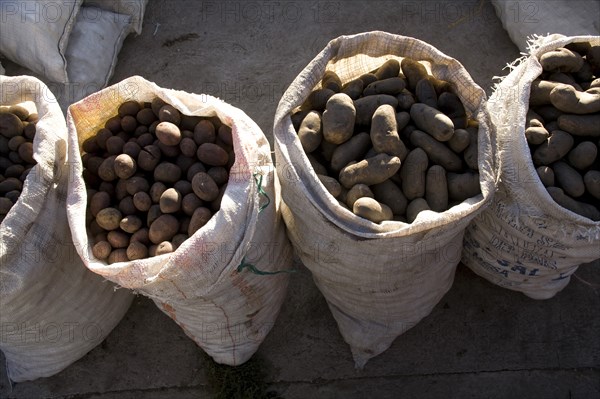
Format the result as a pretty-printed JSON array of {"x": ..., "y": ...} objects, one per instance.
[{"x": 480, "y": 341}]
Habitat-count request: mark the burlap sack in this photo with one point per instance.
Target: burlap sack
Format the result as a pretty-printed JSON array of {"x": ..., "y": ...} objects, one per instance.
[
  {"x": 378, "y": 279},
  {"x": 207, "y": 285},
  {"x": 52, "y": 309},
  {"x": 525, "y": 241}
]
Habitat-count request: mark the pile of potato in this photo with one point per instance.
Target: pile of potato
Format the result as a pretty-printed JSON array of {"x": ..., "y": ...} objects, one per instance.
[
  {"x": 390, "y": 143},
  {"x": 563, "y": 127},
  {"x": 154, "y": 177},
  {"x": 17, "y": 130}
]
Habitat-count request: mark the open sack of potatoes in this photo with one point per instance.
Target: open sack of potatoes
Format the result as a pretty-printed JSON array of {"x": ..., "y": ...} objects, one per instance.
[
  {"x": 355, "y": 199},
  {"x": 175, "y": 196},
  {"x": 53, "y": 310},
  {"x": 544, "y": 220}
]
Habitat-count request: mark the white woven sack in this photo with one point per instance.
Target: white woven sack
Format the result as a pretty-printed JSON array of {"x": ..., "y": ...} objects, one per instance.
[
  {"x": 52, "y": 309},
  {"x": 224, "y": 307},
  {"x": 526, "y": 19},
  {"x": 36, "y": 34},
  {"x": 378, "y": 279},
  {"x": 525, "y": 241}
]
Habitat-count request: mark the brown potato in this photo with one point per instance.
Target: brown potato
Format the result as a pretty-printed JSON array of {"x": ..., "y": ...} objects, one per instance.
[
  {"x": 109, "y": 218},
  {"x": 413, "y": 172},
  {"x": 561, "y": 59},
  {"x": 200, "y": 217},
  {"x": 168, "y": 133},
  {"x": 168, "y": 113},
  {"x": 125, "y": 166},
  {"x": 212, "y": 154},
  {"x": 415, "y": 207},
  {"x": 170, "y": 201},
  {"x": 384, "y": 133},
  {"x": 389, "y": 193},
  {"x": 370, "y": 171},
  {"x": 365, "y": 107},
  {"x": 463, "y": 185},
  {"x": 436, "y": 189},
  {"x": 546, "y": 175},
  {"x": 205, "y": 187},
  {"x": 432, "y": 121},
  {"x": 310, "y": 133},
  {"x": 580, "y": 125},
  {"x": 371, "y": 209},
  {"x": 425, "y": 92},
  {"x": 586, "y": 210},
  {"x": 163, "y": 228},
  {"x": 130, "y": 224},
  {"x": 149, "y": 158},
  {"x": 568, "y": 179},
  {"x": 118, "y": 255},
  {"x": 137, "y": 250},
  {"x": 358, "y": 191},
  {"x": 331, "y": 185},
  {"x": 167, "y": 172},
  {"x": 101, "y": 250},
  {"x": 583, "y": 155},
  {"x": 392, "y": 86},
  {"x": 117, "y": 239},
  {"x": 338, "y": 119},
  {"x": 592, "y": 183},
  {"x": 437, "y": 152},
  {"x": 99, "y": 201},
  {"x": 389, "y": 69},
  {"x": 414, "y": 72},
  {"x": 554, "y": 148}
]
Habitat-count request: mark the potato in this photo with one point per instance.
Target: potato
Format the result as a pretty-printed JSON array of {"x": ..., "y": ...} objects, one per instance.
[
  {"x": 389, "y": 193},
  {"x": 459, "y": 141},
  {"x": 567, "y": 99},
  {"x": 212, "y": 154},
  {"x": 130, "y": 224},
  {"x": 114, "y": 145},
  {"x": 583, "y": 155},
  {"x": 436, "y": 189},
  {"x": 310, "y": 133},
  {"x": 101, "y": 250},
  {"x": 349, "y": 151},
  {"x": 546, "y": 175},
  {"x": 137, "y": 250},
  {"x": 156, "y": 190},
  {"x": 389, "y": 69},
  {"x": 425, "y": 92},
  {"x": 99, "y": 201},
  {"x": 164, "y": 247},
  {"x": 163, "y": 228},
  {"x": 204, "y": 132},
  {"x": 140, "y": 236},
  {"x": 129, "y": 124},
  {"x": 10, "y": 125},
  {"x": 470, "y": 155},
  {"x": 126, "y": 206},
  {"x": 583, "y": 209},
  {"x": 125, "y": 166},
  {"x": 338, "y": 119},
  {"x": 353, "y": 89},
  {"x": 402, "y": 120},
  {"x": 10, "y": 184},
  {"x": 135, "y": 184},
  {"x": 170, "y": 201},
  {"x": 149, "y": 158},
  {"x": 117, "y": 255},
  {"x": 106, "y": 171},
  {"x": 109, "y": 218},
  {"x": 384, "y": 134},
  {"x": 437, "y": 152},
  {"x": 415, "y": 207},
  {"x": 331, "y": 185},
  {"x": 205, "y": 187},
  {"x": 564, "y": 78},
  {"x": 372, "y": 210},
  {"x": 200, "y": 217},
  {"x": 568, "y": 179},
  {"x": 357, "y": 191},
  {"x": 167, "y": 172},
  {"x": 117, "y": 239},
  {"x": 432, "y": 121},
  {"x": 592, "y": 183},
  {"x": 580, "y": 125},
  {"x": 392, "y": 86},
  {"x": 414, "y": 71},
  {"x": 318, "y": 99},
  {"x": 405, "y": 99},
  {"x": 540, "y": 92},
  {"x": 178, "y": 240},
  {"x": 327, "y": 149},
  {"x": 370, "y": 171},
  {"x": 366, "y": 106},
  {"x": 189, "y": 203},
  {"x": 536, "y": 135},
  {"x": 168, "y": 113},
  {"x": 331, "y": 81},
  {"x": 562, "y": 60},
  {"x": 463, "y": 185},
  {"x": 554, "y": 148},
  {"x": 219, "y": 175},
  {"x": 168, "y": 133},
  {"x": 413, "y": 172}
]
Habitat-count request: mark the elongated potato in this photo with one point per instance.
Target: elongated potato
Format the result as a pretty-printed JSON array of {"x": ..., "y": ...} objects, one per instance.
[
  {"x": 384, "y": 133},
  {"x": 370, "y": 171},
  {"x": 580, "y": 125},
  {"x": 437, "y": 152},
  {"x": 546, "y": 175},
  {"x": 390, "y": 194},
  {"x": 415, "y": 207},
  {"x": 413, "y": 172},
  {"x": 338, "y": 119},
  {"x": 568, "y": 179},
  {"x": 436, "y": 188},
  {"x": 413, "y": 71},
  {"x": 562, "y": 60},
  {"x": 331, "y": 185},
  {"x": 592, "y": 183},
  {"x": 583, "y": 155},
  {"x": 366, "y": 107},
  {"x": 351, "y": 150},
  {"x": 372, "y": 210},
  {"x": 392, "y": 86},
  {"x": 583, "y": 209},
  {"x": 450, "y": 104},
  {"x": 463, "y": 185},
  {"x": 540, "y": 92},
  {"x": 567, "y": 99},
  {"x": 389, "y": 69},
  {"x": 554, "y": 148},
  {"x": 432, "y": 121},
  {"x": 425, "y": 92},
  {"x": 459, "y": 141}
]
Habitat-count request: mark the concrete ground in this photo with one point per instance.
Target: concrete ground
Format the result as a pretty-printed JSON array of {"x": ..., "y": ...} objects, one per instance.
[{"x": 480, "y": 341}]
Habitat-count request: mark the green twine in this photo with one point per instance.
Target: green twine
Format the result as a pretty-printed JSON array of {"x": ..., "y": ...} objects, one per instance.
[
  {"x": 261, "y": 191},
  {"x": 253, "y": 269}
]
